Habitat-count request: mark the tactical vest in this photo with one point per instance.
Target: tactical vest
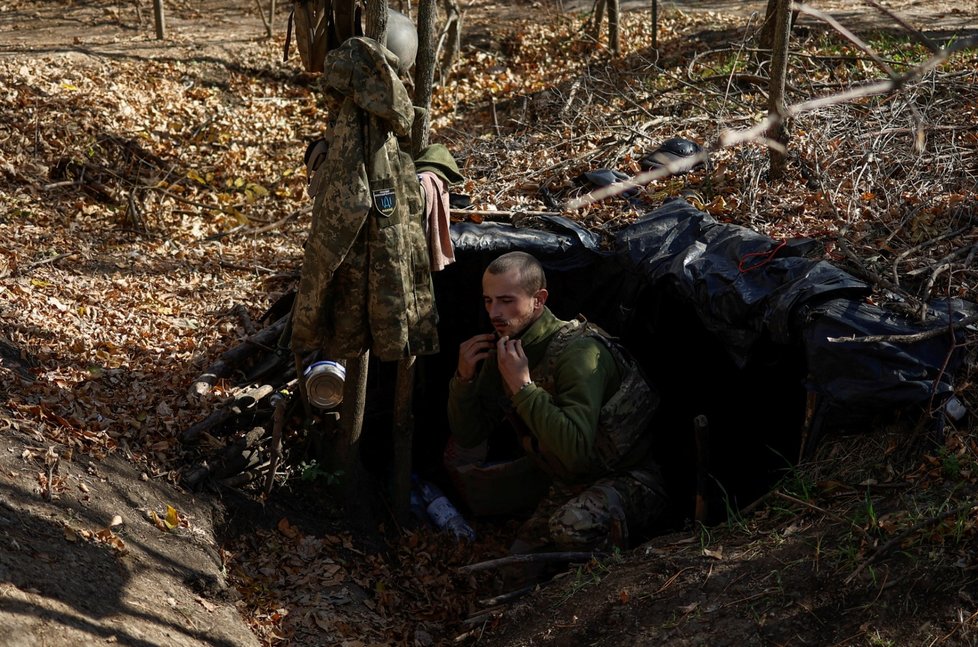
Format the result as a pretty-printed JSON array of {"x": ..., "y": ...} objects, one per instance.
[{"x": 625, "y": 417}]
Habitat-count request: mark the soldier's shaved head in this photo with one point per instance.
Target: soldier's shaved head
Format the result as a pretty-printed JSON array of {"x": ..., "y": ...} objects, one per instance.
[{"x": 531, "y": 276}]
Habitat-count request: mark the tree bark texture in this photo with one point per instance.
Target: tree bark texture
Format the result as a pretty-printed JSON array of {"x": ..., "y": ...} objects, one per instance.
[
  {"x": 597, "y": 19},
  {"x": 614, "y": 33},
  {"x": 424, "y": 74},
  {"x": 765, "y": 37},
  {"x": 655, "y": 24},
  {"x": 375, "y": 25},
  {"x": 351, "y": 416},
  {"x": 449, "y": 46},
  {"x": 160, "y": 19},
  {"x": 779, "y": 70},
  {"x": 403, "y": 439}
]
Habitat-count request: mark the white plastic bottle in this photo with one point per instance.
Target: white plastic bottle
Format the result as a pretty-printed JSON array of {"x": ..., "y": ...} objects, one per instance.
[{"x": 442, "y": 513}]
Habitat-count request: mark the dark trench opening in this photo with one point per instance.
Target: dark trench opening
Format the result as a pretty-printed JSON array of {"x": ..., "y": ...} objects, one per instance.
[{"x": 755, "y": 410}]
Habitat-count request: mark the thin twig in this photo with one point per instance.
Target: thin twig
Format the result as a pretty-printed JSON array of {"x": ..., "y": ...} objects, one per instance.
[
  {"x": 909, "y": 338},
  {"x": 918, "y": 35},
  {"x": 531, "y": 558},
  {"x": 46, "y": 261},
  {"x": 917, "y": 527},
  {"x": 468, "y": 213},
  {"x": 822, "y": 511},
  {"x": 848, "y": 35},
  {"x": 730, "y": 138},
  {"x": 508, "y": 597}
]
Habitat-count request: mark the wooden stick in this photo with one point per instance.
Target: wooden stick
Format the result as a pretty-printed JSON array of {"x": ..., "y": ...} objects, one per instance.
[
  {"x": 240, "y": 456},
  {"x": 50, "y": 259},
  {"x": 913, "y": 337},
  {"x": 655, "y": 25},
  {"x": 531, "y": 558},
  {"x": 464, "y": 213},
  {"x": 351, "y": 422},
  {"x": 507, "y": 597},
  {"x": 303, "y": 391},
  {"x": 160, "y": 19},
  {"x": 234, "y": 356},
  {"x": 403, "y": 439},
  {"x": 278, "y": 422},
  {"x": 246, "y": 399},
  {"x": 701, "y": 432}
]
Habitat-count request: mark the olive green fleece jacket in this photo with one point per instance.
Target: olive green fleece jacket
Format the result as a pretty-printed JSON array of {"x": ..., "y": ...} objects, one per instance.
[{"x": 565, "y": 422}]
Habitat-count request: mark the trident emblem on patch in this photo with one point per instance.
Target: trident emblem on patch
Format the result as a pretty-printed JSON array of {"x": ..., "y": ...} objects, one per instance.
[{"x": 385, "y": 200}]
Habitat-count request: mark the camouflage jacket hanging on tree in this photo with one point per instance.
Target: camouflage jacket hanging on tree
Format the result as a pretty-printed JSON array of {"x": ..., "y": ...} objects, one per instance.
[{"x": 366, "y": 282}]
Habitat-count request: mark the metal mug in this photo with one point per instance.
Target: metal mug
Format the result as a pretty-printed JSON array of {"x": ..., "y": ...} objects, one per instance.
[{"x": 324, "y": 384}]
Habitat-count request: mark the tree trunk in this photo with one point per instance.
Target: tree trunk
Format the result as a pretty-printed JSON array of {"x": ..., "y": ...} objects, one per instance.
[
  {"x": 160, "y": 19},
  {"x": 424, "y": 74},
  {"x": 403, "y": 439},
  {"x": 597, "y": 19},
  {"x": 265, "y": 21},
  {"x": 655, "y": 24},
  {"x": 375, "y": 25},
  {"x": 614, "y": 36},
  {"x": 765, "y": 37},
  {"x": 351, "y": 425},
  {"x": 452, "y": 37},
  {"x": 775, "y": 104}
]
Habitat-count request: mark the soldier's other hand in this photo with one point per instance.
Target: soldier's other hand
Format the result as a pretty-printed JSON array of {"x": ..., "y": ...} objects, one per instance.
[
  {"x": 513, "y": 365},
  {"x": 471, "y": 352}
]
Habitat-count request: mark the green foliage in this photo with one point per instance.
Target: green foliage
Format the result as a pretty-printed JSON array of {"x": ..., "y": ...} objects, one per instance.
[
  {"x": 311, "y": 471},
  {"x": 951, "y": 464},
  {"x": 591, "y": 574},
  {"x": 898, "y": 48},
  {"x": 735, "y": 521},
  {"x": 871, "y": 519}
]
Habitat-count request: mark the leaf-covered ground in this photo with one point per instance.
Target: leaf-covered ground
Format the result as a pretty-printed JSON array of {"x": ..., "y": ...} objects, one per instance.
[{"x": 152, "y": 206}]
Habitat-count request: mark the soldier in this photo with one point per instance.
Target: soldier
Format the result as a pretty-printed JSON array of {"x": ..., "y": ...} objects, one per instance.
[{"x": 578, "y": 404}]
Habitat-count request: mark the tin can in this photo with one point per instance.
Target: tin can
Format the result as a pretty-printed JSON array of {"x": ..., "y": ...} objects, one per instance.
[{"x": 324, "y": 384}]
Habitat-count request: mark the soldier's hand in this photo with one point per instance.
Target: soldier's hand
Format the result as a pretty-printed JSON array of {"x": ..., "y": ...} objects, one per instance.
[
  {"x": 513, "y": 365},
  {"x": 471, "y": 352}
]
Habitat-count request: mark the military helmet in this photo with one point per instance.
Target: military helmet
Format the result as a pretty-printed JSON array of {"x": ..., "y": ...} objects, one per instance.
[
  {"x": 321, "y": 25},
  {"x": 402, "y": 39}
]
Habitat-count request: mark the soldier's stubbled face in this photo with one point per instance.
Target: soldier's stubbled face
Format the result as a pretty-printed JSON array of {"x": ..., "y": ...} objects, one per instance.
[{"x": 511, "y": 309}]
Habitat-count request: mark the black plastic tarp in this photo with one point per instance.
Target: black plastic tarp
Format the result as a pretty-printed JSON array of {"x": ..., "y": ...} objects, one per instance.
[{"x": 746, "y": 290}]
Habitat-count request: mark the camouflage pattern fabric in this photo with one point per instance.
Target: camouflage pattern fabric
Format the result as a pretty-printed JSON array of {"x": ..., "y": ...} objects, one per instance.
[
  {"x": 616, "y": 491},
  {"x": 595, "y": 517},
  {"x": 624, "y": 419},
  {"x": 366, "y": 282}
]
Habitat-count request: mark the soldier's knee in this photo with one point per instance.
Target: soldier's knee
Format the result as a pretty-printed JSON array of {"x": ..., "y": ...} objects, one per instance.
[{"x": 589, "y": 521}]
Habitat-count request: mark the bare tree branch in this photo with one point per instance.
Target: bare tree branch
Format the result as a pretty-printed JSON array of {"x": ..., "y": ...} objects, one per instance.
[
  {"x": 918, "y": 35},
  {"x": 848, "y": 35},
  {"x": 905, "y": 339},
  {"x": 730, "y": 138}
]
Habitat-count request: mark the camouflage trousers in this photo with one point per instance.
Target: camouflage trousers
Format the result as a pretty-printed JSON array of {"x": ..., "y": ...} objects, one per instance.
[{"x": 596, "y": 516}]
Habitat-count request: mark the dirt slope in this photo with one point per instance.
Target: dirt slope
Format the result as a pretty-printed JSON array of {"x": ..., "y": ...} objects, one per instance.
[{"x": 71, "y": 577}]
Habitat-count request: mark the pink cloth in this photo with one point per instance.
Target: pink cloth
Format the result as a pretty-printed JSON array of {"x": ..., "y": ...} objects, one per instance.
[{"x": 441, "y": 250}]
